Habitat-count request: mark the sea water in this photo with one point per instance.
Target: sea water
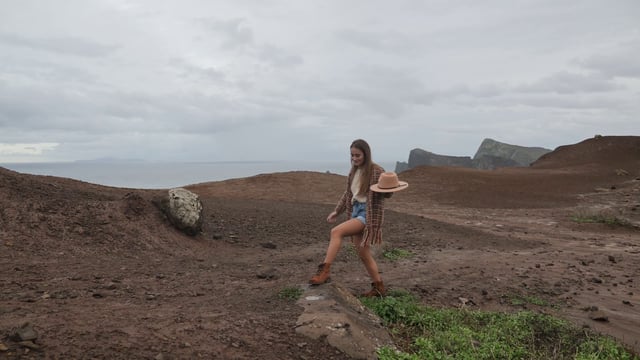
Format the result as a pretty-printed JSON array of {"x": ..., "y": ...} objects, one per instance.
[{"x": 164, "y": 175}]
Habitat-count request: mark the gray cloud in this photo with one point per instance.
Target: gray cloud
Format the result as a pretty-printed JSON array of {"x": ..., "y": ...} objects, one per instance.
[
  {"x": 570, "y": 83},
  {"x": 60, "y": 45},
  {"x": 386, "y": 91},
  {"x": 216, "y": 80},
  {"x": 377, "y": 41},
  {"x": 231, "y": 34},
  {"x": 585, "y": 103},
  {"x": 279, "y": 57},
  {"x": 618, "y": 61},
  {"x": 195, "y": 73},
  {"x": 236, "y": 35}
]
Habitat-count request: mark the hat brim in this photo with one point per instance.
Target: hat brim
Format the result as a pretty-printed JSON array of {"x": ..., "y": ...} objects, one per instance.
[{"x": 401, "y": 186}]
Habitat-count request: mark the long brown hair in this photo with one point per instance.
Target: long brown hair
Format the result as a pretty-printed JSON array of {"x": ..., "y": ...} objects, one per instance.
[{"x": 367, "y": 165}]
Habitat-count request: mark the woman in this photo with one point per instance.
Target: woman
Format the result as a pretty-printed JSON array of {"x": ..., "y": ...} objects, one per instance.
[{"x": 366, "y": 208}]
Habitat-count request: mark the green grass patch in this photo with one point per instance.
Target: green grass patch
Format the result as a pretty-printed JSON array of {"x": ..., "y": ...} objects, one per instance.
[
  {"x": 352, "y": 252},
  {"x": 396, "y": 254},
  {"x": 290, "y": 293},
  {"x": 428, "y": 333},
  {"x": 525, "y": 300},
  {"x": 599, "y": 216},
  {"x": 599, "y": 219}
]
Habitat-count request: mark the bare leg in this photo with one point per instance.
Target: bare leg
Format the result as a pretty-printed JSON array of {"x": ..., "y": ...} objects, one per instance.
[
  {"x": 367, "y": 259},
  {"x": 347, "y": 228}
]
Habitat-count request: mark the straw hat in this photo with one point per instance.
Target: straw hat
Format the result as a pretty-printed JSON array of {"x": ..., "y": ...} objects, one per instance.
[{"x": 388, "y": 182}]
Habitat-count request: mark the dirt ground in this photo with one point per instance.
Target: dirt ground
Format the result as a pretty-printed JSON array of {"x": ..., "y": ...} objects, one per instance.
[{"x": 99, "y": 273}]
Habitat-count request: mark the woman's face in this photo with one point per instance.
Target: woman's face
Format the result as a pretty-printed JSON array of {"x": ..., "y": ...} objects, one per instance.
[{"x": 357, "y": 157}]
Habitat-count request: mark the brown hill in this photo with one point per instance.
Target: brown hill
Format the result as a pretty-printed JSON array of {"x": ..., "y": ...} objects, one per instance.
[
  {"x": 604, "y": 153},
  {"x": 43, "y": 213},
  {"x": 99, "y": 272}
]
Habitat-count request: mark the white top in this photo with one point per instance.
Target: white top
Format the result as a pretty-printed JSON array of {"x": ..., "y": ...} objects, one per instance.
[{"x": 355, "y": 188}]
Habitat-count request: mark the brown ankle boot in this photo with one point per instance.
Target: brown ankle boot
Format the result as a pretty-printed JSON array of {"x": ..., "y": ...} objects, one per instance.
[
  {"x": 322, "y": 276},
  {"x": 377, "y": 289}
]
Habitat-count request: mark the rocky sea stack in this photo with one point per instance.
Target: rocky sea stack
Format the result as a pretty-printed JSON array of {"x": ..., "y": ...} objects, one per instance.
[{"x": 491, "y": 154}]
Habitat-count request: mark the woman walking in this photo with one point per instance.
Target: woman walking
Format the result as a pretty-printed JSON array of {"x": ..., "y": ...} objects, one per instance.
[{"x": 367, "y": 187}]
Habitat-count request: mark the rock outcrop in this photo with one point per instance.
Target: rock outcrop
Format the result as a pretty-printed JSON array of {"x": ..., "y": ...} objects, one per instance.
[
  {"x": 490, "y": 155},
  {"x": 498, "y": 152},
  {"x": 183, "y": 209},
  {"x": 333, "y": 314},
  {"x": 490, "y": 162},
  {"x": 419, "y": 157}
]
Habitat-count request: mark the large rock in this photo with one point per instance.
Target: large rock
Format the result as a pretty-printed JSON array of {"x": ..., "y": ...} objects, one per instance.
[
  {"x": 490, "y": 162},
  {"x": 490, "y": 155},
  {"x": 333, "y": 314},
  {"x": 520, "y": 155},
  {"x": 184, "y": 210},
  {"x": 401, "y": 166},
  {"x": 419, "y": 157}
]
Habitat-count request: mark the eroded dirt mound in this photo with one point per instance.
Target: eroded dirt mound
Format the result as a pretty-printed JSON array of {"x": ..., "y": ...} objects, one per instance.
[
  {"x": 99, "y": 273},
  {"x": 42, "y": 213}
]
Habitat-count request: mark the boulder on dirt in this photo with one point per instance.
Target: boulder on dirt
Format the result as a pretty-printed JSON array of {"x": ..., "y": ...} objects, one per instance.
[
  {"x": 183, "y": 208},
  {"x": 599, "y": 315}
]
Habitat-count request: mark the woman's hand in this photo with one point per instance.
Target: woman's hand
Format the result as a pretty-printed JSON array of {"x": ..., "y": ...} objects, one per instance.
[{"x": 332, "y": 217}]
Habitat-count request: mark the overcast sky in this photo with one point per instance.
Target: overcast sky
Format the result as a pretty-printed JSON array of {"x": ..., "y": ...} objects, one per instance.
[{"x": 293, "y": 79}]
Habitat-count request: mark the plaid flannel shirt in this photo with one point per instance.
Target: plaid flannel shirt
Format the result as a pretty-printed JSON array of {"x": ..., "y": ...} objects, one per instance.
[{"x": 372, "y": 233}]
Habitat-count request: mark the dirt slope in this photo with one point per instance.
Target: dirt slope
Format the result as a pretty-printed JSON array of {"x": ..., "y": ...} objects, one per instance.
[{"x": 99, "y": 273}]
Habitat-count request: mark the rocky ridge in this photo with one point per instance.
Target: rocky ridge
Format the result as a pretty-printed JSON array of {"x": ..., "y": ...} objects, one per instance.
[{"x": 490, "y": 155}]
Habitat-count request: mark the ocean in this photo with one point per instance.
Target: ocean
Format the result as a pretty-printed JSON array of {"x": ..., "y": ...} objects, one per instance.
[{"x": 165, "y": 175}]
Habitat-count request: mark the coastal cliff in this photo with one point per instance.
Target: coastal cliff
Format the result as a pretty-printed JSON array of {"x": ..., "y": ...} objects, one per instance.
[{"x": 490, "y": 155}]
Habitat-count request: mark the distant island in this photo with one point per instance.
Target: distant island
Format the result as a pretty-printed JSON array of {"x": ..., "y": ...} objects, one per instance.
[
  {"x": 491, "y": 154},
  {"x": 110, "y": 160}
]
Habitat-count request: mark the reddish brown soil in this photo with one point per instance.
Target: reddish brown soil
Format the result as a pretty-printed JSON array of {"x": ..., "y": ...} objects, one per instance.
[{"x": 99, "y": 273}]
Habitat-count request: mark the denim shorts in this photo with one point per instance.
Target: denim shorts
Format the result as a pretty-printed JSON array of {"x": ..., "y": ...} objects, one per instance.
[{"x": 359, "y": 212}]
